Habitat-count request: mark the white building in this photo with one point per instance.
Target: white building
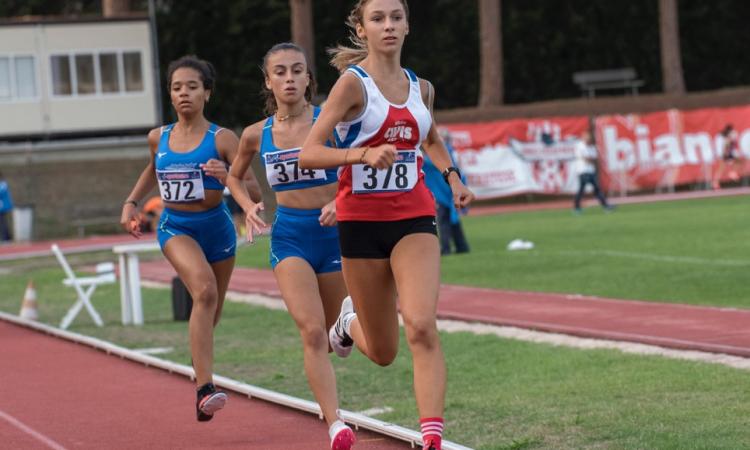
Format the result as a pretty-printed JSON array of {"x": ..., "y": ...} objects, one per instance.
[{"x": 76, "y": 78}]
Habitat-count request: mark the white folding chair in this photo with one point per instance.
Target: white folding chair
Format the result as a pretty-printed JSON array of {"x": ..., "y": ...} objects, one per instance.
[{"x": 84, "y": 287}]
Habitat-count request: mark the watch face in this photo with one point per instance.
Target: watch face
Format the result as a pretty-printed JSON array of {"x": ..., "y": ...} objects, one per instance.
[{"x": 447, "y": 172}]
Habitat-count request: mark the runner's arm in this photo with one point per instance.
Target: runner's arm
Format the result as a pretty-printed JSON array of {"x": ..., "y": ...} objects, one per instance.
[
  {"x": 228, "y": 145},
  {"x": 345, "y": 102},
  {"x": 435, "y": 148}
]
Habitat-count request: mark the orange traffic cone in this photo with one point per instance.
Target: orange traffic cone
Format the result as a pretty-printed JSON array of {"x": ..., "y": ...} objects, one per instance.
[{"x": 28, "y": 307}]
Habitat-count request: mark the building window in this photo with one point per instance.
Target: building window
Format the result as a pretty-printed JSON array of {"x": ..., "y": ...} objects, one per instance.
[
  {"x": 62, "y": 83},
  {"x": 17, "y": 77},
  {"x": 109, "y": 73},
  {"x": 97, "y": 73},
  {"x": 25, "y": 77},
  {"x": 5, "y": 87},
  {"x": 85, "y": 78},
  {"x": 133, "y": 72}
]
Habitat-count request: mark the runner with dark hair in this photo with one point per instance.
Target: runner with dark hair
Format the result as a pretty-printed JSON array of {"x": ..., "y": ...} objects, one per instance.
[
  {"x": 195, "y": 230},
  {"x": 305, "y": 252}
]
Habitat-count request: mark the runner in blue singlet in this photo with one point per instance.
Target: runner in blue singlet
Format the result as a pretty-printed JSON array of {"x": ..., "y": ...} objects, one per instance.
[
  {"x": 195, "y": 230},
  {"x": 304, "y": 241}
]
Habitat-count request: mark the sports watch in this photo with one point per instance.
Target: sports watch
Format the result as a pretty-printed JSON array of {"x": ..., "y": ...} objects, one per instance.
[{"x": 447, "y": 172}]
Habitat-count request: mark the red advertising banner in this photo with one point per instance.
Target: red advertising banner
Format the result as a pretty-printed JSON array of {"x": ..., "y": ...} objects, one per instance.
[
  {"x": 511, "y": 157},
  {"x": 670, "y": 148},
  {"x": 636, "y": 152}
]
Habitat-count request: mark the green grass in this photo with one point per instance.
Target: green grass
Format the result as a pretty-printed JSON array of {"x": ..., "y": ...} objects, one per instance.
[
  {"x": 689, "y": 251},
  {"x": 686, "y": 251},
  {"x": 254, "y": 255},
  {"x": 504, "y": 394}
]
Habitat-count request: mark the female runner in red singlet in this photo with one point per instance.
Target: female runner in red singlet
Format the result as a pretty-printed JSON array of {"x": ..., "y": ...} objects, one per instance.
[{"x": 381, "y": 116}]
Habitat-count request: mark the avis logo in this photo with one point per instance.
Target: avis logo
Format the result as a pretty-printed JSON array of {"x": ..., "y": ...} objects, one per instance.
[{"x": 398, "y": 132}]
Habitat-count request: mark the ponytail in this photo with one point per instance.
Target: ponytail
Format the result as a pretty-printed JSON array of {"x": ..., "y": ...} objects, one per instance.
[{"x": 343, "y": 56}]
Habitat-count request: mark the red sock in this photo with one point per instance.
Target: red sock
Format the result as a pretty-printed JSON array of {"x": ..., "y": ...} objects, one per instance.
[{"x": 432, "y": 432}]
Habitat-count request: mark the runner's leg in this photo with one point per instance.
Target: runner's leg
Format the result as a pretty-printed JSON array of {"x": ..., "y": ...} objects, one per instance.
[
  {"x": 416, "y": 268},
  {"x": 299, "y": 288},
  {"x": 371, "y": 286},
  {"x": 188, "y": 259}
]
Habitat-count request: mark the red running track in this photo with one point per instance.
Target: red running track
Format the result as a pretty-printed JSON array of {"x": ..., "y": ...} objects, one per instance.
[
  {"x": 485, "y": 210},
  {"x": 709, "y": 329},
  {"x": 62, "y": 395},
  {"x": 42, "y": 248}
]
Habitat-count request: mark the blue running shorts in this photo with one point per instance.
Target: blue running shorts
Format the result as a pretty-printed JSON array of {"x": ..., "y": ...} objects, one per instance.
[
  {"x": 212, "y": 229},
  {"x": 297, "y": 232}
]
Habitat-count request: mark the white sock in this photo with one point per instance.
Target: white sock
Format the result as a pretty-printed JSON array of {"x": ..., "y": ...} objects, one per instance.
[
  {"x": 347, "y": 322},
  {"x": 347, "y": 318}
]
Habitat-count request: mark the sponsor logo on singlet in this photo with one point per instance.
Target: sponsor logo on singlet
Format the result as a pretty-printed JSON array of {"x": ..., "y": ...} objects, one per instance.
[{"x": 398, "y": 132}]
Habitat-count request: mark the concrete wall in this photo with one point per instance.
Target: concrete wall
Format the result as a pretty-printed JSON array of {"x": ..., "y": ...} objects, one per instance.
[{"x": 79, "y": 179}]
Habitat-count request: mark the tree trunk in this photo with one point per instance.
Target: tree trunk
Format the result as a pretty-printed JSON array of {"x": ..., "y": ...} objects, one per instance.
[
  {"x": 114, "y": 8},
  {"x": 671, "y": 62},
  {"x": 491, "y": 53},
  {"x": 302, "y": 28}
]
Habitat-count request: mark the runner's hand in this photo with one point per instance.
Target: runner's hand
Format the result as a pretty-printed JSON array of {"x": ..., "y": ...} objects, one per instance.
[
  {"x": 328, "y": 215},
  {"x": 381, "y": 157},
  {"x": 129, "y": 220},
  {"x": 217, "y": 169},
  {"x": 253, "y": 222},
  {"x": 462, "y": 196}
]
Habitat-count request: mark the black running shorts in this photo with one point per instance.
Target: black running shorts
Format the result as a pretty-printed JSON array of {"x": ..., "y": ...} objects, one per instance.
[{"x": 376, "y": 240}]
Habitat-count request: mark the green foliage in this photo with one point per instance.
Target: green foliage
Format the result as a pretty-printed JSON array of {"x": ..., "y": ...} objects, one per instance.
[
  {"x": 544, "y": 43},
  {"x": 447, "y": 28},
  {"x": 712, "y": 40},
  {"x": 14, "y": 8},
  {"x": 227, "y": 33}
]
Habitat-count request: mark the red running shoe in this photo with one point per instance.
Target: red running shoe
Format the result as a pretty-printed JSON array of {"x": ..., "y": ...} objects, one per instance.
[{"x": 342, "y": 437}]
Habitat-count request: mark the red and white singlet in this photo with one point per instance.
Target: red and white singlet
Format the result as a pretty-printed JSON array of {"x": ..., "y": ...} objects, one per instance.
[{"x": 396, "y": 193}]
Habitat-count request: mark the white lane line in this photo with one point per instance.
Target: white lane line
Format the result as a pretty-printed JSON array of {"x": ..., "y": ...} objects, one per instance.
[
  {"x": 154, "y": 350},
  {"x": 30, "y": 431},
  {"x": 661, "y": 258},
  {"x": 376, "y": 411}
]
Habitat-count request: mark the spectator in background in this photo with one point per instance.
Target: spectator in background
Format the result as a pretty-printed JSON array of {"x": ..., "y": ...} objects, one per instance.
[
  {"x": 449, "y": 222},
  {"x": 729, "y": 156},
  {"x": 585, "y": 166},
  {"x": 6, "y": 207}
]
